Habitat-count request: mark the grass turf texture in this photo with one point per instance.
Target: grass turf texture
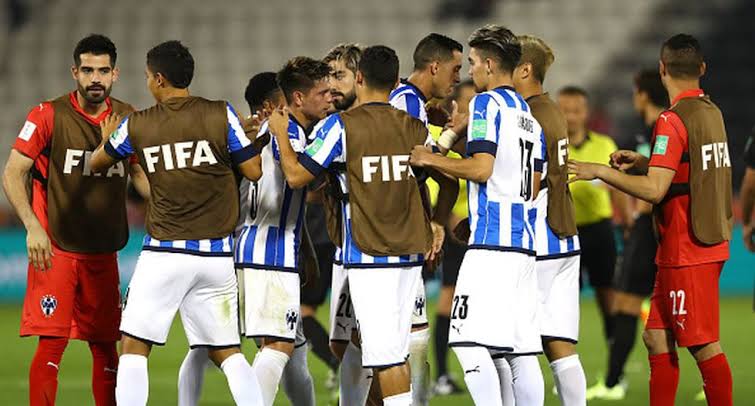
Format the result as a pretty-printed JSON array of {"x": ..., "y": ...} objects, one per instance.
[{"x": 74, "y": 388}]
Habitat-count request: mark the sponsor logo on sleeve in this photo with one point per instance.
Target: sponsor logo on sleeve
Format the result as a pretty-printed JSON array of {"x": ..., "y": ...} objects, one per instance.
[
  {"x": 27, "y": 131},
  {"x": 661, "y": 145}
]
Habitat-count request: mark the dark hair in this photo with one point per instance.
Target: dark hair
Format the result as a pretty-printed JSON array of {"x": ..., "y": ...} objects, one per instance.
[
  {"x": 174, "y": 61},
  {"x": 300, "y": 74},
  {"x": 499, "y": 43},
  {"x": 435, "y": 47},
  {"x": 379, "y": 66},
  {"x": 572, "y": 90},
  {"x": 682, "y": 56},
  {"x": 95, "y": 44},
  {"x": 349, "y": 53},
  {"x": 261, "y": 87},
  {"x": 649, "y": 82}
]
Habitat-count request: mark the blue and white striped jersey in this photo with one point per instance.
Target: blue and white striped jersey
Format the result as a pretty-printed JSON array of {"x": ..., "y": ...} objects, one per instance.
[
  {"x": 499, "y": 210},
  {"x": 273, "y": 213},
  {"x": 328, "y": 148},
  {"x": 239, "y": 146},
  {"x": 408, "y": 98}
]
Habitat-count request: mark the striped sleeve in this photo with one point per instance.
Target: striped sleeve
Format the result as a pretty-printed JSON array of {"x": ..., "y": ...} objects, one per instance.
[
  {"x": 326, "y": 147},
  {"x": 408, "y": 102},
  {"x": 239, "y": 145},
  {"x": 483, "y": 125},
  {"x": 541, "y": 155},
  {"x": 119, "y": 146}
]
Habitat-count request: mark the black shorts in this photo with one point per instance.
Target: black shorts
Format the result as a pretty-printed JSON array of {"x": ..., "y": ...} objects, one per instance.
[
  {"x": 637, "y": 273},
  {"x": 315, "y": 292},
  {"x": 598, "y": 257},
  {"x": 453, "y": 255}
]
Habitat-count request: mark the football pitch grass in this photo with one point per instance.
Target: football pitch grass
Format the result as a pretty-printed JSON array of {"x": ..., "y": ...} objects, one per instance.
[{"x": 737, "y": 328}]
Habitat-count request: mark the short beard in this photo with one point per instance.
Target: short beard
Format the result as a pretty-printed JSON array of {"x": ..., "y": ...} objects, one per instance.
[
  {"x": 347, "y": 101},
  {"x": 94, "y": 100}
]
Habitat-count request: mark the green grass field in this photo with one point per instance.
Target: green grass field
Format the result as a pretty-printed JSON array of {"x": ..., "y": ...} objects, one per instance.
[{"x": 737, "y": 328}]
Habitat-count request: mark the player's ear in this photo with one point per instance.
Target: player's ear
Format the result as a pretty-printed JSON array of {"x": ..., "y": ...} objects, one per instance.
[
  {"x": 703, "y": 68},
  {"x": 74, "y": 71},
  {"x": 298, "y": 98},
  {"x": 360, "y": 79},
  {"x": 661, "y": 68},
  {"x": 116, "y": 74},
  {"x": 434, "y": 67},
  {"x": 488, "y": 66}
]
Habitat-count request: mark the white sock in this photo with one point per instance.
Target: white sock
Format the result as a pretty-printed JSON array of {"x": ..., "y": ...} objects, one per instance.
[
  {"x": 132, "y": 380},
  {"x": 506, "y": 380},
  {"x": 354, "y": 382},
  {"x": 296, "y": 380},
  {"x": 570, "y": 380},
  {"x": 480, "y": 375},
  {"x": 268, "y": 365},
  {"x": 529, "y": 388},
  {"x": 418, "y": 341},
  {"x": 191, "y": 376},
  {"x": 242, "y": 380},
  {"x": 402, "y": 399}
]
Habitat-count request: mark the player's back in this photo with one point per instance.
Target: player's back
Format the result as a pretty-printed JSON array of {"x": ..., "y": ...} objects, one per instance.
[
  {"x": 408, "y": 98},
  {"x": 272, "y": 211},
  {"x": 503, "y": 126},
  {"x": 183, "y": 146}
]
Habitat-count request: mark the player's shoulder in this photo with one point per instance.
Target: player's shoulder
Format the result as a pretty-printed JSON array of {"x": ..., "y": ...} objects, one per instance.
[{"x": 328, "y": 124}]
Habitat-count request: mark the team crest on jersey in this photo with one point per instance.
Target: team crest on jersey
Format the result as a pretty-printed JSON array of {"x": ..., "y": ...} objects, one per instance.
[
  {"x": 419, "y": 306},
  {"x": 48, "y": 303},
  {"x": 292, "y": 316}
]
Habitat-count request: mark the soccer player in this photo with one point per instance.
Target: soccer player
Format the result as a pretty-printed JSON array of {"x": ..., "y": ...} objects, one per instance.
[
  {"x": 189, "y": 146},
  {"x": 557, "y": 263},
  {"x": 73, "y": 290},
  {"x": 383, "y": 238},
  {"x": 593, "y": 202},
  {"x": 437, "y": 62},
  {"x": 268, "y": 246},
  {"x": 635, "y": 279},
  {"x": 747, "y": 194},
  {"x": 495, "y": 302},
  {"x": 689, "y": 172},
  {"x": 453, "y": 254}
]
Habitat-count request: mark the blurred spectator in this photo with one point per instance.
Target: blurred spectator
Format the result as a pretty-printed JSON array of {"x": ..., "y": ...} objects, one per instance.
[{"x": 467, "y": 9}]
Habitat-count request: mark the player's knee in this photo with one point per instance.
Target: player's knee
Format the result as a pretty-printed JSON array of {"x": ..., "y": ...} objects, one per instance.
[
  {"x": 338, "y": 349},
  {"x": 307, "y": 311},
  {"x": 706, "y": 351},
  {"x": 218, "y": 355},
  {"x": 656, "y": 341},
  {"x": 557, "y": 349},
  {"x": 280, "y": 346}
]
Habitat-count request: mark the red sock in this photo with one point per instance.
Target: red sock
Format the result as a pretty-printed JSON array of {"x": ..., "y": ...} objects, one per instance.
[
  {"x": 664, "y": 378},
  {"x": 716, "y": 380},
  {"x": 104, "y": 371},
  {"x": 43, "y": 372}
]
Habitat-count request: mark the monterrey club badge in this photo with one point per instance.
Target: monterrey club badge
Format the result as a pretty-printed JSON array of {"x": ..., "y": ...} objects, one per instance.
[
  {"x": 48, "y": 303},
  {"x": 292, "y": 317}
]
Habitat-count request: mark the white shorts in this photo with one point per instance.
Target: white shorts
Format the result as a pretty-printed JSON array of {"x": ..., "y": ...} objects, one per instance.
[
  {"x": 204, "y": 289},
  {"x": 383, "y": 302},
  {"x": 558, "y": 282},
  {"x": 495, "y": 303},
  {"x": 271, "y": 303},
  {"x": 342, "y": 321}
]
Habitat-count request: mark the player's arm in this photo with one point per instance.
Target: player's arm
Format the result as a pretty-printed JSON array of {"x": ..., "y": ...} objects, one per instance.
[
  {"x": 541, "y": 159},
  {"x": 245, "y": 155},
  {"x": 15, "y": 179},
  {"x": 478, "y": 168},
  {"x": 139, "y": 179},
  {"x": 651, "y": 187},
  {"x": 747, "y": 195},
  {"x": 115, "y": 145}
]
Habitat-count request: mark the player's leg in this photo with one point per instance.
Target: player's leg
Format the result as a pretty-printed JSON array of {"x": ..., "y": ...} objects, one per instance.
[
  {"x": 599, "y": 259},
  {"x": 48, "y": 313},
  {"x": 558, "y": 285},
  {"x": 191, "y": 376},
  {"x": 159, "y": 284},
  {"x": 452, "y": 258},
  {"x": 209, "y": 313},
  {"x": 419, "y": 340},
  {"x": 626, "y": 315},
  {"x": 313, "y": 295},
  {"x": 97, "y": 314},
  {"x": 697, "y": 327},
  {"x": 296, "y": 380},
  {"x": 383, "y": 303},
  {"x": 505, "y": 379},
  {"x": 527, "y": 379},
  {"x": 480, "y": 374}
]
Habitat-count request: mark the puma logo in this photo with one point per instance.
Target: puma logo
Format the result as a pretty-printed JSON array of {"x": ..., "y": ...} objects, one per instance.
[
  {"x": 680, "y": 324},
  {"x": 457, "y": 328},
  {"x": 342, "y": 326},
  {"x": 475, "y": 369},
  {"x": 53, "y": 365}
]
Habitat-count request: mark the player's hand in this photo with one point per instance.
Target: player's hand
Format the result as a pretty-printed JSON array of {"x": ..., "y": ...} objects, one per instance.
[
  {"x": 583, "y": 170},
  {"x": 459, "y": 121},
  {"x": 624, "y": 160},
  {"x": 38, "y": 248},
  {"x": 278, "y": 122},
  {"x": 436, "y": 115},
  {"x": 109, "y": 125},
  {"x": 462, "y": 232},
  {"x": 433, "y": 256},
  {"x": 251, "y": 124},
  {"x": 420, "y": 155},
  {"x": 747, "y": 235}
]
